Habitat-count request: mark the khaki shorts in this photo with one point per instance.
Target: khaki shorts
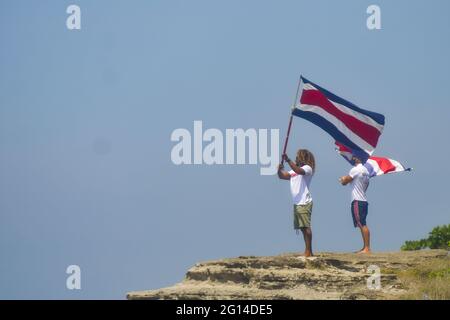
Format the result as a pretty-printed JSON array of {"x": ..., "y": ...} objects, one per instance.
[{"x": 302, "y": 215}]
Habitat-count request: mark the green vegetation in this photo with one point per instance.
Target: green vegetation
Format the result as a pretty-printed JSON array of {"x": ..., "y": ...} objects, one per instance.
[
  {"x": 438, "y": 238},
  {"x": 431, "y": 281}
]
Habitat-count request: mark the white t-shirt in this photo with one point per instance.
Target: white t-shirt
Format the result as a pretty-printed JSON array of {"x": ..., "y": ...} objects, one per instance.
[
  {"x": 360, "y": 182},
  {"x": 300, "y": 186}
]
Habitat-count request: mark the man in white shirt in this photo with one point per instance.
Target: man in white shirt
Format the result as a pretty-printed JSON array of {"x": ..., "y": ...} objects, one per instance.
[
  {"x": 300, "y": 179},
  {"x": 359, "y": 179}
]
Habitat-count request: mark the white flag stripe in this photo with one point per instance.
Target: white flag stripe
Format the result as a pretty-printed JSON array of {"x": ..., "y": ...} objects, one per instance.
[
  {"x": 375, "y": 166},
  {"x": 398, "y": 165},
  {"x": 361, "y": 117},
  {"x": 309, "y": 86}
]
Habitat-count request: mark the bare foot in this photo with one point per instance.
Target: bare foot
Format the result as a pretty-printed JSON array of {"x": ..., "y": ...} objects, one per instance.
[
  {"x": 364, "y": 251},
  {"x": 308, "y": 254}
]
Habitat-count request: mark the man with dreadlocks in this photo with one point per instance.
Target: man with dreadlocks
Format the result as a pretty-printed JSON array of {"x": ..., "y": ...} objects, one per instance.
[{"x": 300, "y": 178}]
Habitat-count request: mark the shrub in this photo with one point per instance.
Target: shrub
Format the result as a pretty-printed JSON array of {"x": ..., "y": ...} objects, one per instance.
[
  {"x": 438, "y": 238},
  {"x": 414, "y": 245}
]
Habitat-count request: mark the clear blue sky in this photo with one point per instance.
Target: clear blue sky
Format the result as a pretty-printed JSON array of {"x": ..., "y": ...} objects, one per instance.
[{"x": 86, "y": 117}]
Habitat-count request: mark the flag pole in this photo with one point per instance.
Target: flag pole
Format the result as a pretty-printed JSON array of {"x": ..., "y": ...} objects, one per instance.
[{"x": 290, "y": 119}]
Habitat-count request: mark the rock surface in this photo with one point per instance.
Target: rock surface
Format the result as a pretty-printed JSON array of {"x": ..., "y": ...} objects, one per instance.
[{"x": 290, "y": 276}]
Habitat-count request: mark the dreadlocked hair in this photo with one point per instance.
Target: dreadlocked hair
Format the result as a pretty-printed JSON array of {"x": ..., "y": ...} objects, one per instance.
[{"x": 305, "y": 156}]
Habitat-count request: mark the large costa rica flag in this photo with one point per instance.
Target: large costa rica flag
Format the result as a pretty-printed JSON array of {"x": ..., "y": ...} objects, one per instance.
[{"x": 356, "y": 128}]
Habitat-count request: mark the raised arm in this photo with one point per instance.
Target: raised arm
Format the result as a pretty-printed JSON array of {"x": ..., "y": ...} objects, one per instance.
[
  {"x": 283, "y": 174},
  {"x": 293, "y": 165}
]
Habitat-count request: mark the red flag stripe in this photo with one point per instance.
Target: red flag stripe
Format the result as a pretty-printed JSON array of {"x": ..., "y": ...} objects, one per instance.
[
  {"x": 384, "y": 164},
  {"x": 365, "y": 131}
]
